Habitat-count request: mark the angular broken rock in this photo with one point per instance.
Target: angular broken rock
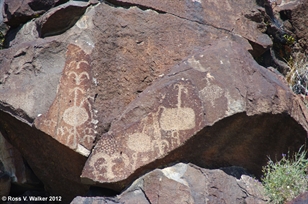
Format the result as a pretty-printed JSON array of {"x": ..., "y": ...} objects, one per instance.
[
  {"x": 18, "y": 12},
  {"x": 76, "y": 126},
  {"x": 217, "y": 108},
  {"x": 187, "y": 183},
  {"x": 61, "y": 18},
  {"x": 30, "y": 71}
]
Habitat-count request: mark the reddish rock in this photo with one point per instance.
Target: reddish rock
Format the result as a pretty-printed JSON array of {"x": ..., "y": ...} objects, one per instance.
[
  {"x": 217, "y": 108},
  {"x": 225, "y": 16},
  {"x": 133, "y": 49},
  {"x": 57, "y": 166},
  {"x": 71, "y": 119}
]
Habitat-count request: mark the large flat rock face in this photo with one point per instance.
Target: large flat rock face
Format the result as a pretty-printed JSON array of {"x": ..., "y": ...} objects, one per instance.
[
  {"x": 218, "y": 105},
  {"x": 134, "y": 48}
]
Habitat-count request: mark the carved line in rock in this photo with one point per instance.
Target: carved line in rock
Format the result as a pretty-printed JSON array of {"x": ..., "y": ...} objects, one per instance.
[
  {"x": 179, "y": 118},
  {"x": 73, "y": 122},
  {"x": 149, "y": 140}
]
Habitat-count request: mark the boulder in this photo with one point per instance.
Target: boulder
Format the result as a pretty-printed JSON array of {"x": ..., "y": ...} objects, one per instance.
[
  {"x": 18, "y": 12},
  {"x": 31, "y": 66},
  {"x": 187, "y": 183},
  {"x": 217, "y": 108},
  {"x": 60, "y": 18}
]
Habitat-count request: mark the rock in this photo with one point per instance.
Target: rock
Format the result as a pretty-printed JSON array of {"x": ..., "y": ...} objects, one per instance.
[
  {"x": 177, "y": 118},
  {"x": 76, "y": 127},
  {"x": 44, "y": 63},
  {"x": 129, "y": 56},
  {"x": 187, "y": 183},
  {"x": 225, "y": 16},
  {"x": 61, "y": 18},
  {"x": 18, "y": 12},
  {"x": 301, "y": 199},
  {"x": 114, "y": 75}
]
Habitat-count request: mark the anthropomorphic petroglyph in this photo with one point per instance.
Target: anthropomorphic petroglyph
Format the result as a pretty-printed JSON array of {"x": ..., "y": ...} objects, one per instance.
[
  {"x": 70, "y": 119},
  {"x": 179, "y": 118}
]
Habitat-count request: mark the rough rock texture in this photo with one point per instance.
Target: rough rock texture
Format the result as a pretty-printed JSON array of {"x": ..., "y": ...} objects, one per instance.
[
  {"x": 187, "y": 183},
  {"x": 76, "y": 126},
  {"x": 217, "y": 108},
  {"x": 223, "y": 15}
]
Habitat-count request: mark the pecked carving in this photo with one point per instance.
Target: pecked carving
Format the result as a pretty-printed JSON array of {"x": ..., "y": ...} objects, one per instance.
[
  {"x": 70, "y": 119},
  {"x": 152, "y": 137}
]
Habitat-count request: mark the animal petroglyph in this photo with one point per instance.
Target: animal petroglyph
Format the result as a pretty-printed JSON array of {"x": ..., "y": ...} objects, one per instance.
[
  {"x": 179, "y": 118},
  {"x": 70, "y": 118}
]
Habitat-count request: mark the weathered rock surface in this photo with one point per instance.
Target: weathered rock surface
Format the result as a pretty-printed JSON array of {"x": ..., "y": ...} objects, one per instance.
[
  {"x": 177, "y": 118},
  {"x": 227, "y": 15},
  {"x": 187, "y": 183}
]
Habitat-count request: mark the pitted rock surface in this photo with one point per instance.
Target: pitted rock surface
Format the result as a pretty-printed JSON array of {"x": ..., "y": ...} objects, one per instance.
[{"x": 187, "y": 115}]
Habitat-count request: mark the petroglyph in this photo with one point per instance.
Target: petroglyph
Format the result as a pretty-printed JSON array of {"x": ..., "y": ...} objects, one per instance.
[
  {"x": 142, "y": 142},
  {"x": 211, "y": 93},
  {"x": 151, "y": 138},
  {"x": 70, "y": 119},
  {"x": 104, "y": 164},
  {"x": 179, "y": 118},
  {"x": 196, "y": 64}
]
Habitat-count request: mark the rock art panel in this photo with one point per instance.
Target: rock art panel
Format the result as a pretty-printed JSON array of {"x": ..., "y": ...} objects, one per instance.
[
  {"x": 173, "y": 119},
  {"x": 71, "y": 119}
]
